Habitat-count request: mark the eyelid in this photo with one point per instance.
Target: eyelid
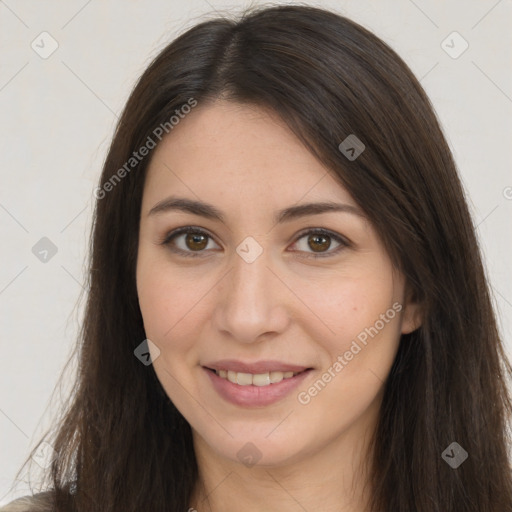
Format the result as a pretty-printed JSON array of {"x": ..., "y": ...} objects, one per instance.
[
  {"x": 340, "y": 239},
  {"x": 181, "y": 231}
]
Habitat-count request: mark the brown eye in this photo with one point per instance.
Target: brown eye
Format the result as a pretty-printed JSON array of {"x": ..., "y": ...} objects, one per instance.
[
  {"x": 188, "y": 241},
  {"x": 319, "y": 243},
  {"x": 196, "y": 241},
  {"x": 191, "y": 241}
]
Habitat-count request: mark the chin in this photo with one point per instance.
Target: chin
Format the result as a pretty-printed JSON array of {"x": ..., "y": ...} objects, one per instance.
[{"x": 250, "y": 448}]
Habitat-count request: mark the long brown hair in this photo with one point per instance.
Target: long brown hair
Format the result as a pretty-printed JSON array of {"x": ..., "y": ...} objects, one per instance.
[{"x": 122, "y": 445}]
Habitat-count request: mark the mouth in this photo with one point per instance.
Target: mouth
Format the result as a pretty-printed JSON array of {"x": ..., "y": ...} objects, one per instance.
[
  {"x": 261, "y": 389},
  {"x": 258, "y": 379}
]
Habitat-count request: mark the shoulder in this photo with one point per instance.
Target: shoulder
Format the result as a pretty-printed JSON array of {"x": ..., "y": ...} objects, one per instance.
[{"x": 41, "y": 502}]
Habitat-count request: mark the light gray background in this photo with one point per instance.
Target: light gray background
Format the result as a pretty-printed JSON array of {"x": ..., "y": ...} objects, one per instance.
[{"x": 58, "y": 116}]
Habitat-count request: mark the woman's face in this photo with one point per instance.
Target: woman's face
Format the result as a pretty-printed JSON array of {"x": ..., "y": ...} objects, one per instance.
[{"x": 253, "y": 290}]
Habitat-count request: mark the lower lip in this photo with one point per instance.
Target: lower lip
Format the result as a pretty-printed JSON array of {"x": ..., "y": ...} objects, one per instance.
[{"x": 253, "y": 396}]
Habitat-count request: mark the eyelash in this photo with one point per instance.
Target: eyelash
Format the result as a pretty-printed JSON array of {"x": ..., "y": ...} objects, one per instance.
[{"x": 197, "y": 254}]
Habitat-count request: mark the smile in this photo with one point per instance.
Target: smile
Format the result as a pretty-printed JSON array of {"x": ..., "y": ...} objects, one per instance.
[
  {"x": 260, "y": 389},
  {"x": 260, "y": 379}
]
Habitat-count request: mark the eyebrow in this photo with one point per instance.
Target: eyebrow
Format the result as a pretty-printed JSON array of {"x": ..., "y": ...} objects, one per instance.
[{"x": 211, "y": 212}]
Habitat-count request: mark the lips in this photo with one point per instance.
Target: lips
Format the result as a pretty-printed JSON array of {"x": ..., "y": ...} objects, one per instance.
[
  {"x": 256, "y": 368},
  {"x": 254, "y": 394},
  {"x": 259, "y": 383}
]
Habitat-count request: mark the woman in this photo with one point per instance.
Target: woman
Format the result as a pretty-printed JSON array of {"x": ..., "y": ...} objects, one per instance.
[{"x": 287, "y": 306}]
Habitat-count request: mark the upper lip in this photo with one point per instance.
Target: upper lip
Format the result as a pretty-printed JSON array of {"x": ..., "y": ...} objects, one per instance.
[{"x": 255, "y": 368}]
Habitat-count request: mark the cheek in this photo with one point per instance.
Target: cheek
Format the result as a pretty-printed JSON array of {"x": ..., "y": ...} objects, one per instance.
[
  {"x": 174, "y": 307},
  {"x": 362, "y": 313},
  {"x": 358, "y": 357},
  {"x": 162, "y": 300}
]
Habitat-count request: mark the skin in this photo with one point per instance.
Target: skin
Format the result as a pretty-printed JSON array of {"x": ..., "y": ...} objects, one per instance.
[{"x": 284, "y": 306}]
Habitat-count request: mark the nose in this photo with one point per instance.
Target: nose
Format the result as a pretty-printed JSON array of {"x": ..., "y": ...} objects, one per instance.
[{"x": 252, "y": 301}]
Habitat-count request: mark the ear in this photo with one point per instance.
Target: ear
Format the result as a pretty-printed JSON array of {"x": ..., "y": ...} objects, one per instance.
[{"x": 412, "y": 316}]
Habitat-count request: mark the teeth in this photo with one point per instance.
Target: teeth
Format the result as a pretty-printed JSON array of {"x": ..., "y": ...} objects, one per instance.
[{"x": 260, "y": 379}]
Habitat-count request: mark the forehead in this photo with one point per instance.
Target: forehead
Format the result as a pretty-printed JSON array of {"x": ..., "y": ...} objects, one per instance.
[{"x": 240, "y": 154}]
